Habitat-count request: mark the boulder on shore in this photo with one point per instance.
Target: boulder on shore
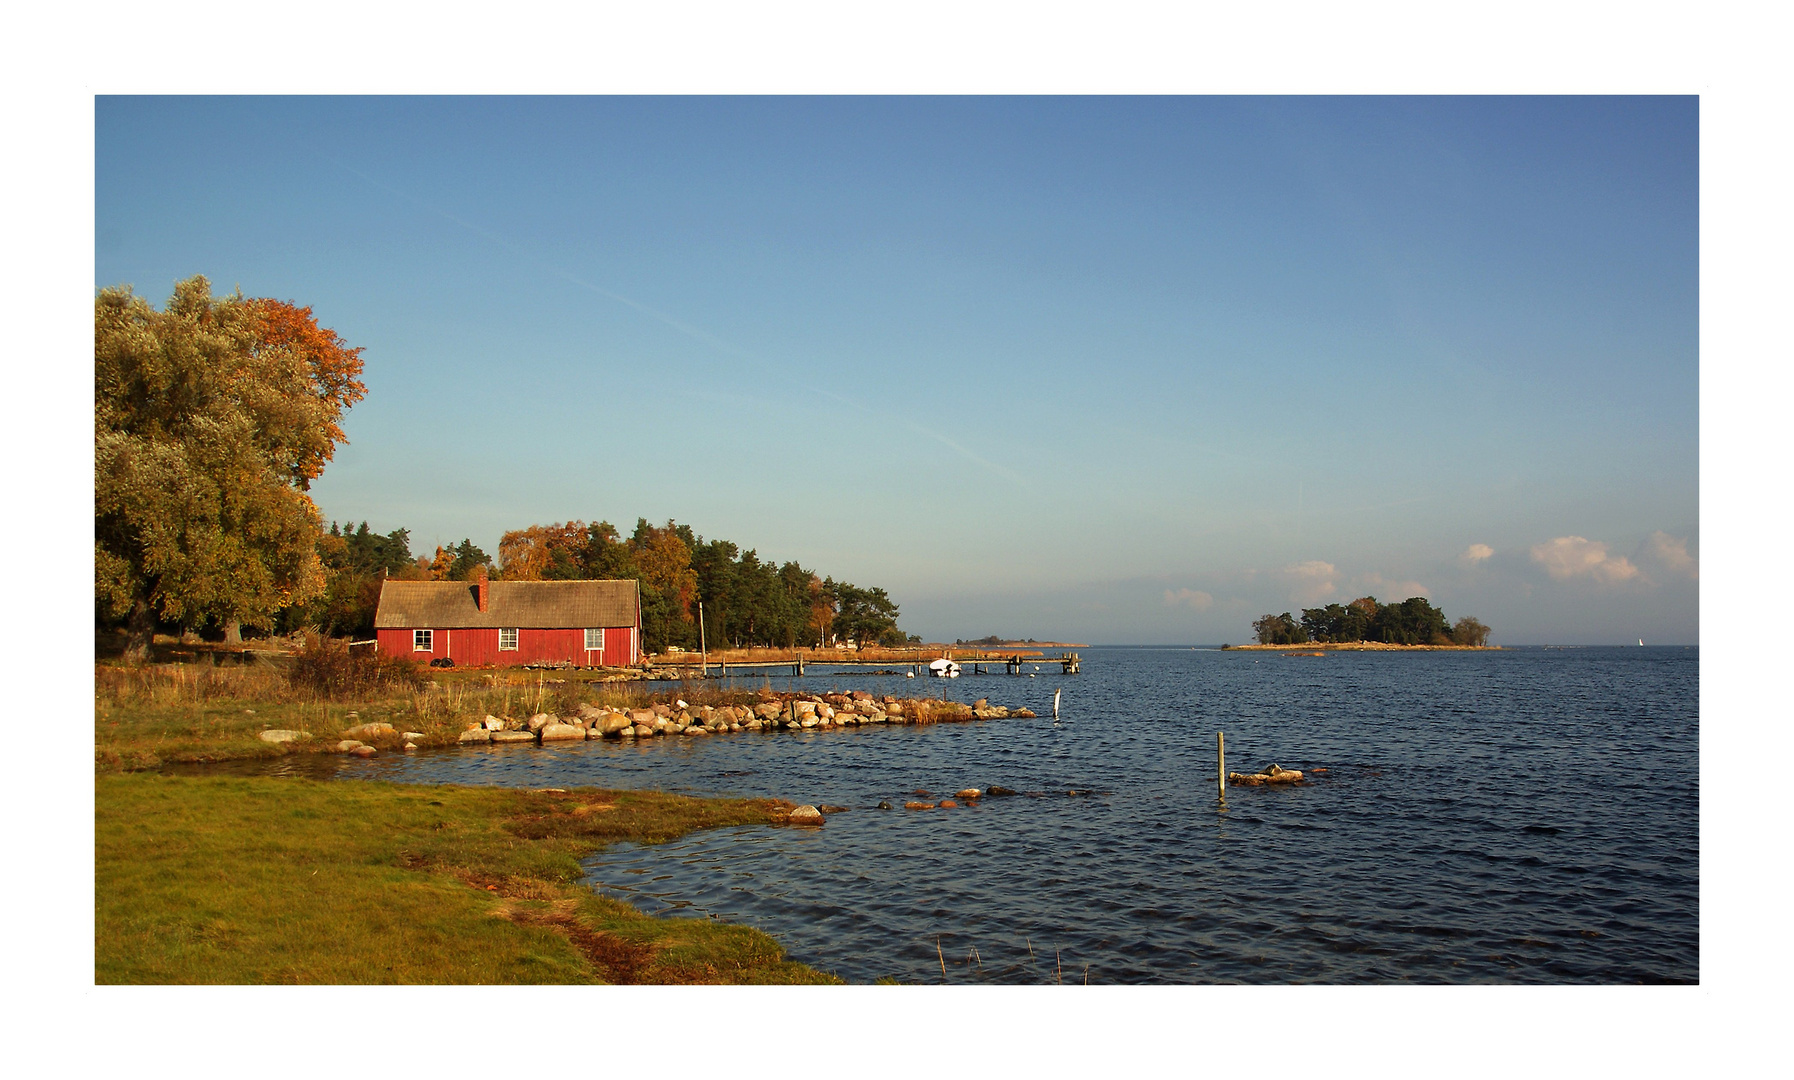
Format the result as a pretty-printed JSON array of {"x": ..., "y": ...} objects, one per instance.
[
  {"x": 513, "y": 736},
  {"x": 611, "y": 723},
  {"x": 475, "y": 735},
  {"x": 562, "y": 732},
  {"x": 369, "y": 731},
  {"x": 279, "y": 735}
]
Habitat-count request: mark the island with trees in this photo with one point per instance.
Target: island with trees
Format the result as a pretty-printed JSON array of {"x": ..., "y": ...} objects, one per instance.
[{"x": 1365, "y": 623}]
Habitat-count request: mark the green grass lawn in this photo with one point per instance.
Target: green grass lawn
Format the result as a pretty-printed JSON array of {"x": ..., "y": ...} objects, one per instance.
[{"x": 274, "y": 880}]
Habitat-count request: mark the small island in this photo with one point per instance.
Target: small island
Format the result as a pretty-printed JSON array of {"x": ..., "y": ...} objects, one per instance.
[{"x": 1365, "y": 624}]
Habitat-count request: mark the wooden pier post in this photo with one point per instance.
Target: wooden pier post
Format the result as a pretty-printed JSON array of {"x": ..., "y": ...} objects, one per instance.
[
  {"x": 703, "y": 646},
  {"x": 1221, "y": 764}
]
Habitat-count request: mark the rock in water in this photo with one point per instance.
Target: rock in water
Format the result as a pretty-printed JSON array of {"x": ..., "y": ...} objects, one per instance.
[
  {"x": 806, "y": 815},
  {"x": 1275, "y": 774},
  {"x": 968, "y": 794}
]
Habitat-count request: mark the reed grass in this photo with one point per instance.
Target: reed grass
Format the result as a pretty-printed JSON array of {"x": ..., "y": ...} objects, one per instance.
[{"x": 212, "y": 709}]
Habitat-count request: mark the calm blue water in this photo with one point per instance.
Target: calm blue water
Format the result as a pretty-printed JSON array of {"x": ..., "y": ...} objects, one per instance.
[{"x": 1521, "y": 816}]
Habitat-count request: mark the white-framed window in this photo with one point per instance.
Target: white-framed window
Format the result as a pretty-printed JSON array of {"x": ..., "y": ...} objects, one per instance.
[
  {"x": 507, "y": 639},
  {"x": 594, "y": 640},
  {"x": 423, "y": 641}
]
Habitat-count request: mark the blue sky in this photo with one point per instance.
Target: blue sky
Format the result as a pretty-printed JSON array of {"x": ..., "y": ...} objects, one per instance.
[{"x": 1107, "y": 369}]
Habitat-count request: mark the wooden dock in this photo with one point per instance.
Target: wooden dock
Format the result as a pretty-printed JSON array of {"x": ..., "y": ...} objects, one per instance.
[{"x": 977, "y": 662}]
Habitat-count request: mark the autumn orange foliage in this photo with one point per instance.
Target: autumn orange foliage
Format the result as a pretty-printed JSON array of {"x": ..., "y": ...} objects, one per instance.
[{"x": 284, "y": 331}]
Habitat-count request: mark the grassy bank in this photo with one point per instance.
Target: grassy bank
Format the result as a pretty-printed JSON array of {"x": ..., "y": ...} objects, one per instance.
[
  {"x": 206, "y": 711},
  {"x": 201, "y": 712},
  {"x": 260, "y": 880}
]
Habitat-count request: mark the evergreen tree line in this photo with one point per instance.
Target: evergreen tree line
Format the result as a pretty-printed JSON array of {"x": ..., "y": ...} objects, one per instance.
[
  {"x": 1413, "y": 621},
  {"x": 745, "y": 601}
]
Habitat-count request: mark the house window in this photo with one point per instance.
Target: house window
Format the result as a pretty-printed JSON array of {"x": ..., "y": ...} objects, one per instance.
[
  {"x": 507, "y": 639},
  {"x": 423, "y": 640},
  {"x": 594, "y": 640}
]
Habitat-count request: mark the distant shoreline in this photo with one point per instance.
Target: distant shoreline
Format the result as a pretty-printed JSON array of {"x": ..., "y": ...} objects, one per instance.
[{"x": 1361, "y": 646}]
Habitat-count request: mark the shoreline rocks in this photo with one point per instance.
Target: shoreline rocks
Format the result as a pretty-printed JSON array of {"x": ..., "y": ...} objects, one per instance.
[{"x": 771, "y": 713}]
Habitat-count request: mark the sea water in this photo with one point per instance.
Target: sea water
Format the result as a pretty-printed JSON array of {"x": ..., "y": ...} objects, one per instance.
[{"x": 1527, "y": 815}]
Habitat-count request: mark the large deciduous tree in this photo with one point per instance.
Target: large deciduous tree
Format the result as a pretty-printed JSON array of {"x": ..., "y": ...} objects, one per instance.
[{"x": 211, "y": 419}]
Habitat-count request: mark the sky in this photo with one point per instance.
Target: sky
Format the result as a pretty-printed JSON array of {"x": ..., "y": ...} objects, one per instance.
[{"x": 1110, "y": 370}]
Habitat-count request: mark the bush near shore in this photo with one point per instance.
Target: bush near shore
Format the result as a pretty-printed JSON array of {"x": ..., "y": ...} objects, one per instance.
[{"x": 266, "y": 880}]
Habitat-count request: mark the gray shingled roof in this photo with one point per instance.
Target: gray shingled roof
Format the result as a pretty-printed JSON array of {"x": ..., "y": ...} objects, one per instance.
[{"x": 452, "y": 604}]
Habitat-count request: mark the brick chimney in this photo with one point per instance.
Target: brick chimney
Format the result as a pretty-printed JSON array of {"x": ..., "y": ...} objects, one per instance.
[{"x": 481, "y": 587}]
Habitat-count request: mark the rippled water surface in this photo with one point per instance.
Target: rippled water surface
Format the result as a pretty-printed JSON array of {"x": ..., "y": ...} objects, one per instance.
[{"x": 1525, "y": 816}]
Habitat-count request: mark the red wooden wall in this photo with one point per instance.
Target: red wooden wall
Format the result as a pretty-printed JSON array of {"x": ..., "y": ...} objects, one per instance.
[{"x": 479, "y": 647}]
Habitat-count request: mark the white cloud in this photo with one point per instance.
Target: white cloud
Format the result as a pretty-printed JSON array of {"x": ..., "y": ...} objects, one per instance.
[
  {"x": 1475, "y": 553},
  {"x": 1671, "y": 554},
  {"x": 1194, "y": 599},
  {"x": 1573, "y": 556},
  {"x": 1311, "y": 582}
]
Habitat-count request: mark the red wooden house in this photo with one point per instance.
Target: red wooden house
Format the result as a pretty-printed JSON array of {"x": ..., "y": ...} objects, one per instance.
[{"x": 504, "y": 623}]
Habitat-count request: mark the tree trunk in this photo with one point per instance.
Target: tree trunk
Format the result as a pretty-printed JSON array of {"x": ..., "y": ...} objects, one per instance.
[
  {"x": 233, "y": 632},
  {"x": 140, "y": 627}
]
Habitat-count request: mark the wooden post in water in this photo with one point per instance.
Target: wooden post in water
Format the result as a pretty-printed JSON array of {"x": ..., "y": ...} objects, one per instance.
[{"x": 1221, "y": 764}]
